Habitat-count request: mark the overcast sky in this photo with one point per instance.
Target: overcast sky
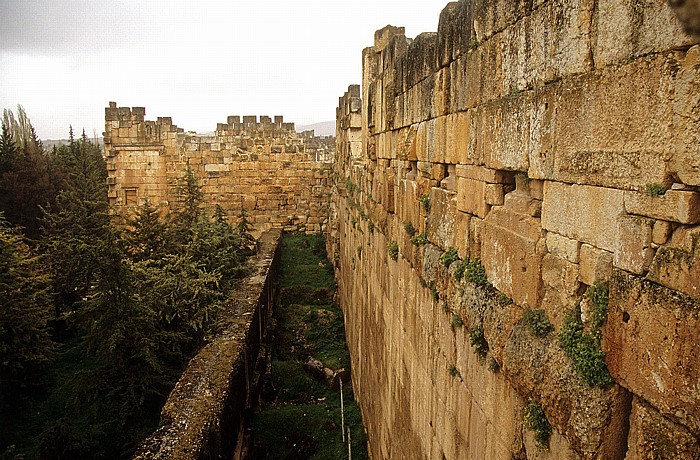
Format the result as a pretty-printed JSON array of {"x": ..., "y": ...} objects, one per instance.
[{"x": 197, "y": 61}]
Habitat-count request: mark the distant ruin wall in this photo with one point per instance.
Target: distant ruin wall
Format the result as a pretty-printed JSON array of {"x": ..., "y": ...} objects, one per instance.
[
  {"x": 263, "y": 166},
  {"x": 536, "y": 138}
]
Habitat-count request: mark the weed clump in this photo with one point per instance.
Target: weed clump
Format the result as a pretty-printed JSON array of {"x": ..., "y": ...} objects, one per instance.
[
  {"x": 420, "y": 239},
  {"x": 655, "y": 189},
  {"x": 410, "y": 229},
  {"x": 478, "y": 341},
  {"x": 537, "y": 322},
  {"x": 583, "y": 346},
  {"x": 393, "y": 249},
  {"x": 536, "y": 421},
  {"x": 425, "y": 202},
  {"x": 448, "y": 257}
]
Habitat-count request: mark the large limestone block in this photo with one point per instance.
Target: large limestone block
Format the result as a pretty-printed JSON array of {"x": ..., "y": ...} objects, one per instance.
[
  {"x": 441, "y": 220},
  {"x": 471, "y": 197},
  {"x": 511, "y": 255},
  {"x": 627, "y": 29},
  {"x": 633, "y": 250},
  {"x": 584, "y": 213},
  {"x": 677, "y": 264},
  {"x": 611, "y": 128},
  {"x": 561, "y": 286},
  {"x": 591, "y": 419},
  {"x": 652, "y": 348},
  {"x": 686, "y": 119},
  {"x": 505, "y": 133},
  {"x": 675, "y": 205},
  {"x": 653, "y": 436},
  {"x": 595, "y": 264}
]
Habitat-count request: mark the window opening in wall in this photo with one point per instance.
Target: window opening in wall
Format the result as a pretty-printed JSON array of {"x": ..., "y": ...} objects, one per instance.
[{"x": 130, "y": 197}]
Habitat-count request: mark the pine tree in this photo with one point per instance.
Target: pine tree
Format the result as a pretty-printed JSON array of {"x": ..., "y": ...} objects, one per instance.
[
  {"x": 76, "y": 223},
  {"x": 25, "y": 306}
]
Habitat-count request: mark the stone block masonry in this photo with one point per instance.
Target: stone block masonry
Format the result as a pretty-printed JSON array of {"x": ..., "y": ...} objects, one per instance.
[
  {"x": 553, "y": 144},
  {"x": 263, "y": 166}
]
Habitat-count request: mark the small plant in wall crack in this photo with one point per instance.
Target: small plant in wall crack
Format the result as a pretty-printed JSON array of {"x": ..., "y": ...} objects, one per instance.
[
  {"x": 453, "y": 371},
  {"x": 420, "y": 239},
  {"x": 448, "y": 257},
  {"x": 457, "y": 322},
  {"x": 583, "y": 346},
  {"x": 393, "y": 249},
  {"x": 655, "y": 189},
  {"x": 537, "y": 322},
  {"x": 410, "y": 229},
  {"x": 425, "y": 202},
  {"x": 536, "y": 421},
  {"x": 478, "y": 341}
]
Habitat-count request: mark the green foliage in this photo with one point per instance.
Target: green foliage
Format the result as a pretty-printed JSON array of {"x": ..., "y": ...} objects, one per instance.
[
  {"x": 77, "y": 225},
  {"x": 419, "y": 239},
  {"x": 473, "y": 271},
  {"x": 370, "y": 227},
  {"x": 473, "y": 44},
  {"x": 457, "y": 321},
  {"x": 425, "y": 202},
  {"x": 30, "y": 178},
  {"x": 25, "y": 308},
  {"x": 393, "y": 249},
  {"x": 410, "y": 229},
  {"x": 435, "y": 293},
  {"x": 478, "y": 341},
  {"x": 453, "y": 371},
  {"x": 536, "y": 421},
  {"x": 138, "y": 299},
  {"x": 244, "y": 229},
  {"x": 448, "y": 257},
  {"x": 493, "y": 365},
  {"x": 583, "y": 348},
  {"x": 537, "y": 322},
  {"x": 599, "y": 297},
  {"x": 303, "y": 262},
  {"x": 304, "y": 410},
  {"x": 655, "y": 189}
]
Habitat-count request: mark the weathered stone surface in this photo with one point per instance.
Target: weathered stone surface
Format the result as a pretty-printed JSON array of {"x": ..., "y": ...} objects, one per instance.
[
  {"x": 653, "y": 436},
  {"x": 677, "y": 265},
  {"x": 674, "y": 205},
  {"x": 595, "y": 264},
  {"x": 563, "y": 247},
  {"x": 511, "y": 255},
  {"x": 471, "y": 197},
  {"x": 633, "y": 250},
  {"x": 588, "y": 214},
  {"x": 650, "y": 340},
  {"x": 686, "y": 118}
]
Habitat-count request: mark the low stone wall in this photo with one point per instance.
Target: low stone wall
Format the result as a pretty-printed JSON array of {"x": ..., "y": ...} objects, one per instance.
[{"x": 203, "y": 415}]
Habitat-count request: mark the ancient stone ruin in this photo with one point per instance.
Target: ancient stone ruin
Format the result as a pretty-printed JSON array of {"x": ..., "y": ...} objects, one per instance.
[
  {"x": 511, "y": 197},
  {"x": 259, "y": 165}
]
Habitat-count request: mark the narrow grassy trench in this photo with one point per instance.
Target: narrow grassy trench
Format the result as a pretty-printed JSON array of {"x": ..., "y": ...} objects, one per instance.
[{"x": 300, "y": 416}]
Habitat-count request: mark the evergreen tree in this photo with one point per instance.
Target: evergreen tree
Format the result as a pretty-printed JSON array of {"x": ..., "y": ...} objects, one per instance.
[
  {"x": 30, "y": 178},
  {"x": 8, "y": 149},
  {"x": 77, "y": 223},
  {"x": 25, "y": 306}
]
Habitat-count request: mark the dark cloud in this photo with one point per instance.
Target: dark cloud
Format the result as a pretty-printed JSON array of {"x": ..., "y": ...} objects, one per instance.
[{"x": 49, "y": 27}]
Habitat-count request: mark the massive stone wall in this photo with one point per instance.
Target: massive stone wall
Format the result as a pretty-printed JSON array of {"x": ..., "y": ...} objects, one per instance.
[
  {"x": 263, "y": 166},
  {"x": 535, "y": 138}
]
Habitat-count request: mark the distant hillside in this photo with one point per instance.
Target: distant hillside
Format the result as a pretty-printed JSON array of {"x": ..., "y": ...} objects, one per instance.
[{"x": 324, "y": 128}]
